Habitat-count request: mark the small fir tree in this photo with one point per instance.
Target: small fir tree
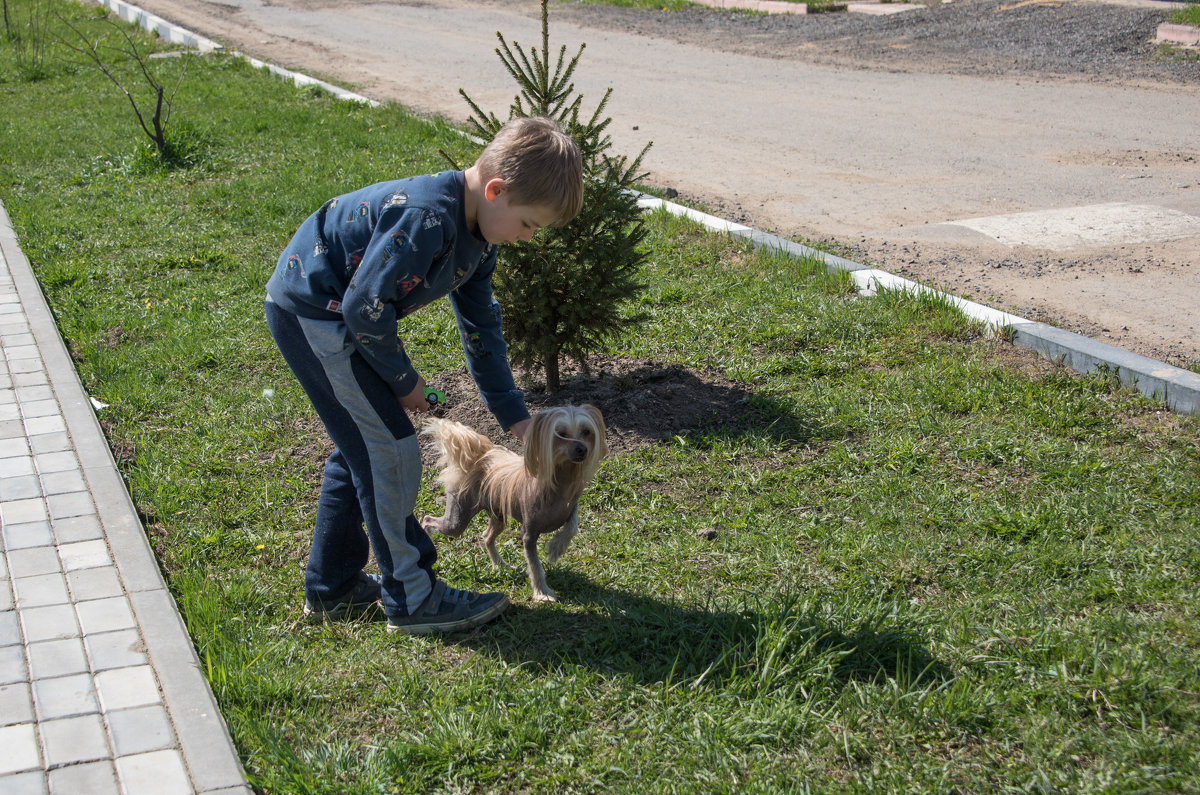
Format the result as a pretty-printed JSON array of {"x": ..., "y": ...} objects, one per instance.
[{"x": 564, "y": 292}]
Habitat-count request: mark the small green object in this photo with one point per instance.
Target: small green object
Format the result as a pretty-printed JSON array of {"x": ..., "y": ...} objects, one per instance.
[{"x": 435, "y": 397}]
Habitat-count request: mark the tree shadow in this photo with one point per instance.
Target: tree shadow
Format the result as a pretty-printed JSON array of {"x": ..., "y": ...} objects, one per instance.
[
  {"x": 771, "y": 643},
  {"x": 646, "y": 402}
]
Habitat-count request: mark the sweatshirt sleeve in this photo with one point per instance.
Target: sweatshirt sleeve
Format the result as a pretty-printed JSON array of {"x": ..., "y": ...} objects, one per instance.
[
  {"x": 396, "y": 262},
  {"x": 479, "y": 323}
]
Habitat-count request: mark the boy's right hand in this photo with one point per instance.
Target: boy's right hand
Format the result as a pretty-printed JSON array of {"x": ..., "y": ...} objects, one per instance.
[{"x": 415, "y": 400}]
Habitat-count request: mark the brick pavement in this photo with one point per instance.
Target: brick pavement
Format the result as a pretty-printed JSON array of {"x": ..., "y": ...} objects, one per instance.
[{"x": 100, "y": 688}]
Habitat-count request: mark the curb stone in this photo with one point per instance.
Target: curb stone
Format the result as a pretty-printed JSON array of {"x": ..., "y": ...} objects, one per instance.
[
  {"x": 1177, "y": 388},
  {"x": 1183, "y": 35}
]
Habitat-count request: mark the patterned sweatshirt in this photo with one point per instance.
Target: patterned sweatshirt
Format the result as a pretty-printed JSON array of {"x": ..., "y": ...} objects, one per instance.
[{"x": 375, "y": 255}]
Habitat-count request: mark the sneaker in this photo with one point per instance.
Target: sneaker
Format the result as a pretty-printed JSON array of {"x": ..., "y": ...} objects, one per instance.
[
  {"x": 364, "y": 593},
  {"x": 449, "y": 610}
]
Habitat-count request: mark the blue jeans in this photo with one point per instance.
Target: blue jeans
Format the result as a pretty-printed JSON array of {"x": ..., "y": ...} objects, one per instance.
[{"x": 371, "y": 478}]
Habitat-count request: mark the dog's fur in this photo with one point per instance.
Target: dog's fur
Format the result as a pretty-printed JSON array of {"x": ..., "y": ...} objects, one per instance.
[{"x": 563, "y": 447}]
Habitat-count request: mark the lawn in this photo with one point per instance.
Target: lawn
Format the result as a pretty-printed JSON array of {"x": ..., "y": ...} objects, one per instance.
[
  {"x": 915, "y": 559},
  {"x": 1188, "y": 15}
]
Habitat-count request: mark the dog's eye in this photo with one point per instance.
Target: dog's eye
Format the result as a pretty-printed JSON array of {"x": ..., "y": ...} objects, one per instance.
[{"x": 587, "y": 432}]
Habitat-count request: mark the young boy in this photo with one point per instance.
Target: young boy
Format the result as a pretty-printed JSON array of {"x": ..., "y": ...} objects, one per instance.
[{"x": 353, "y": 269}]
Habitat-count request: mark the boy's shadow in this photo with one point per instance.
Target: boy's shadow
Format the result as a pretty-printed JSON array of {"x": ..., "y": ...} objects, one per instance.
[{"x": 653, "y": 641}]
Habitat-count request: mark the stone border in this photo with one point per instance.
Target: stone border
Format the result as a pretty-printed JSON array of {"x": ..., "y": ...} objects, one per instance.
[
  {"x": 763, "y": 6},
  {"x": 1181, "y": 35},
  {"x": 1177, "y": 388},
  {"x": 872, "y": 7},
  {"x": 159, "y": 26}
]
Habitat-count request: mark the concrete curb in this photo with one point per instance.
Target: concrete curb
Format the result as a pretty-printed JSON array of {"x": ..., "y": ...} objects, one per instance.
[
  {"x": 1183, "y": 35},
  {"x": 1177, "y": 388},
  {"x": 872, "y": 7},
  {"x": 158, "y": 25},
  {"x": 762, "y": 6}
]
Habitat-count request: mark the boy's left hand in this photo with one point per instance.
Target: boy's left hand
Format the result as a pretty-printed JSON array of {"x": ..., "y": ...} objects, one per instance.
[{"x": 518, "y": 429}]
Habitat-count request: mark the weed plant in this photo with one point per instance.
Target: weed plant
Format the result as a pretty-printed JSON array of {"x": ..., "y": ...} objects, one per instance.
[{"x": 925, "y": 562}]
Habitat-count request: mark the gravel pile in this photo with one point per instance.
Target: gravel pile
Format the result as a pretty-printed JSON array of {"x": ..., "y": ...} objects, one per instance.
[{"x": 1096, "y": 41}]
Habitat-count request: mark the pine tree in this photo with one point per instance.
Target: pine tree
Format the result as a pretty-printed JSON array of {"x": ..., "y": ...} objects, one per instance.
[{"x": 564, "y": 293}]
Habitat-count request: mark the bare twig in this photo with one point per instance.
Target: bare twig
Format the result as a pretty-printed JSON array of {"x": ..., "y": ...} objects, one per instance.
[{"x": 156, "y": 127}]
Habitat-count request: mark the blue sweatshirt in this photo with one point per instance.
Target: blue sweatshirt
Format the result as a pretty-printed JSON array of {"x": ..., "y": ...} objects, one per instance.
[{"x": 373, "y": 256}]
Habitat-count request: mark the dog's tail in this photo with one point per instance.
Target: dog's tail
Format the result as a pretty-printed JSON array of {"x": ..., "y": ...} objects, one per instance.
[{"x": 459, "y": 449}]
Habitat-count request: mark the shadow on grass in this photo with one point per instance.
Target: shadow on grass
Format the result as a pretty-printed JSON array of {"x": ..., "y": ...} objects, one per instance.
[
  {"x": 650, "y": 402},
  {"x": 774, "y": 643},
  {"x": 646, "y": 403}
]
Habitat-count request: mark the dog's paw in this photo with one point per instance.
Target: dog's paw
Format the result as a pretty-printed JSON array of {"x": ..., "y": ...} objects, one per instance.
[{"x": 545, "y": 596}]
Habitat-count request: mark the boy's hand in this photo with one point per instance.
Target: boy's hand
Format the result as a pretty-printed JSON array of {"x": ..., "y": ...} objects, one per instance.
[
  {"x": 519, "y": 428},
  {"x": 415, "y": 400}
]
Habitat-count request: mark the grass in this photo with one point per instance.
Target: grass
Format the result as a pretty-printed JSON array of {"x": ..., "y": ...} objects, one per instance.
[
  {"x": 937, "y": 564},
  {"x": 1188, "y": 15}
]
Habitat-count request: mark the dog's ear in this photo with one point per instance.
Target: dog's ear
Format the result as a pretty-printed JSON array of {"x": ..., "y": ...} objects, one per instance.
[
  {"x": 539, "y": 445},
  {"x": 597, "y": 419}
]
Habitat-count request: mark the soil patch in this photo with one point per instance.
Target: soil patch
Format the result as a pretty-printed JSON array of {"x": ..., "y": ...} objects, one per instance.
[{"x": 644, "y": 402}]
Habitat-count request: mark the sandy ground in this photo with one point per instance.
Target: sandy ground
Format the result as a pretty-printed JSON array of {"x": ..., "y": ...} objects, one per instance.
[{"x": 882, "y": 136}]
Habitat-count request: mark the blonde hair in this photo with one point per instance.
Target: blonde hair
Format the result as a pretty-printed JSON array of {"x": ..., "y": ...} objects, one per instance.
[{"x": 539, "y": 163}]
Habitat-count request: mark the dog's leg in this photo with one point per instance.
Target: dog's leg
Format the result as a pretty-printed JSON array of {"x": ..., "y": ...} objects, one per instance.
[
  {"x": 537, "y": 575},
  {"x": 560, "y": 540},
  {"x": 494, "y": 528},
  {"x": 453, "y": 523}
]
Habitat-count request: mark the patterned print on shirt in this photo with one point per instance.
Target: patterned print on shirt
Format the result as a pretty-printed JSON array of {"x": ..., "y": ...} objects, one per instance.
[{"x": 397, "y": 199}]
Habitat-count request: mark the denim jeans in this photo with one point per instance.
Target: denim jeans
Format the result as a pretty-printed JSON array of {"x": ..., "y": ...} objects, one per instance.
[{"x": 371, "y": 478}]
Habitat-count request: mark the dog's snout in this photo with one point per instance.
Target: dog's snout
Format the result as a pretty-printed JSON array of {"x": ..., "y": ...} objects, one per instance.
[{"x": 579, "y": 452}]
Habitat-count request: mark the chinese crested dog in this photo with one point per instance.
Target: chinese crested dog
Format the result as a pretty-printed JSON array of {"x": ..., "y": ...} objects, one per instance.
[{"x": 563, "y": 447}]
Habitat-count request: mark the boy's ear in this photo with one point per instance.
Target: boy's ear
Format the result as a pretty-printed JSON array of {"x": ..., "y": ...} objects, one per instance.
[{"x": 493, "y": 188}]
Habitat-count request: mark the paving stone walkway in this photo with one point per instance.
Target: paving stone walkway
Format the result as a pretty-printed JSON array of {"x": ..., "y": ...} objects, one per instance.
[{"x": 100, "y": 687}]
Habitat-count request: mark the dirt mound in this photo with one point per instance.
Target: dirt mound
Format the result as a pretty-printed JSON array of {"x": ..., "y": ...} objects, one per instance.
[{"x": 643, "y": 402}]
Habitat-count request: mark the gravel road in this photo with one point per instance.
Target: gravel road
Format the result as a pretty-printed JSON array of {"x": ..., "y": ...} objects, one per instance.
[{"x": 888, "y": 137}]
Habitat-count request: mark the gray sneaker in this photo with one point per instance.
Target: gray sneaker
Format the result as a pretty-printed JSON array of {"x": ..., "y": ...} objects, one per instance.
[
  {"x": 364, "y": 593},
  {"x": 450, "y": 610}
]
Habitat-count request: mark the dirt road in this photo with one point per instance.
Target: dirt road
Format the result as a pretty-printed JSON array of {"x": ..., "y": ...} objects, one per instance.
[{"x": 1033, "y": 156}]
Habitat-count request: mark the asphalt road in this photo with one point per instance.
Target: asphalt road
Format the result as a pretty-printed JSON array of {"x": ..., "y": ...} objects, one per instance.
[{"x": 1073, "y": 199}]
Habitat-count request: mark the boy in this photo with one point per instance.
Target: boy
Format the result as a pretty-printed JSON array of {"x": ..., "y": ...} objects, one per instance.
[{"x": 353, "y": 268}]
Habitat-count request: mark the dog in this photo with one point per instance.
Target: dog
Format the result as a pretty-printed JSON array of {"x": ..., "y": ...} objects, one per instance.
[{"x": 563, "y": 447}]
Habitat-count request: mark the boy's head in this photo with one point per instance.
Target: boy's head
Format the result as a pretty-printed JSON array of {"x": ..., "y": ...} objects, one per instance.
[{"x": 540, "y": 165}]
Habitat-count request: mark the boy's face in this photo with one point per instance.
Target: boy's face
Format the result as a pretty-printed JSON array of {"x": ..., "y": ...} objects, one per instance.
[{"x": 502, "y": 221}]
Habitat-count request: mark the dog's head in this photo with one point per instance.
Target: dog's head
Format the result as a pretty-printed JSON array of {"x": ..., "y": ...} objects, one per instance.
[{"x": 566, "y": 441}]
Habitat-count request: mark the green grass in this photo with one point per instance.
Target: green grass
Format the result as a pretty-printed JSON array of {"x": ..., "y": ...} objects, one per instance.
[
  {"x": 1188, "y": 15},
  {"x": 938, "y": 564}
]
